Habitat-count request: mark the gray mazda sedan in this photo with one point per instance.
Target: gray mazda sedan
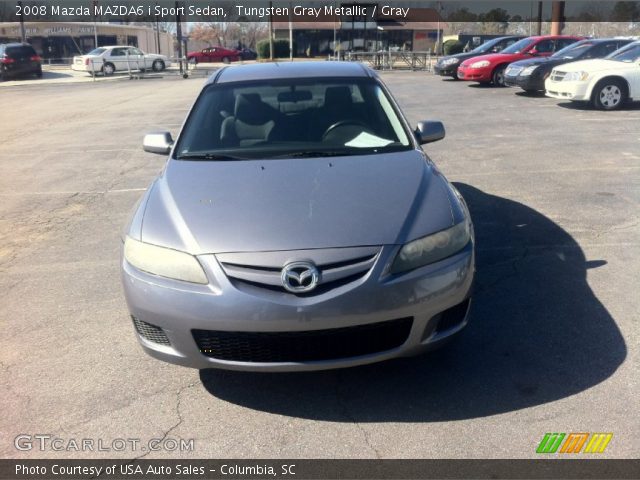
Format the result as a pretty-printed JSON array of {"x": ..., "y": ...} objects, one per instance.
[{"x": 297, "y": 225}]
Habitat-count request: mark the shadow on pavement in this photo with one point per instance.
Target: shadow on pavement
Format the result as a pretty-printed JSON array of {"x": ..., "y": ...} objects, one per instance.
[
  {"x": 537, "y": 334},
  {"x": 588, "y": 106}
]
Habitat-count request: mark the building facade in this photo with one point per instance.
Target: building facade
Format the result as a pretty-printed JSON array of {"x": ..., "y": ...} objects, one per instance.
[{"x": 60, "y": 41}]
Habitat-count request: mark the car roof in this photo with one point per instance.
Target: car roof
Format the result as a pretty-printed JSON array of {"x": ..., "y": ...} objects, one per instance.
[
  {"x": 16, "y": 44},
  {"x": 283, "y": 70}
]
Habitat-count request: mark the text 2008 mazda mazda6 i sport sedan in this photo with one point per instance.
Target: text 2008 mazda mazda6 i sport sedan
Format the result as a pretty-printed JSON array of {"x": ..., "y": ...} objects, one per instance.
[{"x": 297, "y": 225}]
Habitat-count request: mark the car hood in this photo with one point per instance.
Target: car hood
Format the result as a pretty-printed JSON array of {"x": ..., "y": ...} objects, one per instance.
[
  {"x": 598, "y": 65},
  {"x": 530, "y": 62},
  {"x": 497, "y": 58},
  {"x": 461, "y": 56},
  {"x": 291, "y": 204}
]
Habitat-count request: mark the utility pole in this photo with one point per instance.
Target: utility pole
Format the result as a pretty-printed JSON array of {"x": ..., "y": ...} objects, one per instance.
[
  {"x": 270, "y": 31},
  {"x": 290, "y": 33},
  {"x": 157, "y": 33},
  {"x": 23, "y": 33},
  {"x": 179, "y": 35},
  {"x": 557, "y": 18},
  {"x": 95, "y": 25},
  {"x": 539, "y": 18}
]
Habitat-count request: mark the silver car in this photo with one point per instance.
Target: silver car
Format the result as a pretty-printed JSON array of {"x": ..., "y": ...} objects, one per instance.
[{"x": 297, "y": 225}]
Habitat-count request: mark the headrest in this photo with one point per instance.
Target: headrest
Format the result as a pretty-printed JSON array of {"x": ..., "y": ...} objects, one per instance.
[
  {"x": 337, "y": 96},
  {"x": 251, "y": 109}
]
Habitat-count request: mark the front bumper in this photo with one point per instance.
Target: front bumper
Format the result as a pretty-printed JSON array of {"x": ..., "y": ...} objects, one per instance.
[
  {"x": 562, "y": 90},
  {"x": 179, "y": 308},
  {"x": 527, "y": 82},
  {"x": 447, "y": 70},
  {"x": 474, "y": 74}
]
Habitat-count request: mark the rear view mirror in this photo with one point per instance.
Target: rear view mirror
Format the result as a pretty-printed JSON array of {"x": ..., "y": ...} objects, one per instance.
[
  {"x": 429, "y": 131},
  {"x": 157, "y": 142},
  {"x": 295, "y": 96}
]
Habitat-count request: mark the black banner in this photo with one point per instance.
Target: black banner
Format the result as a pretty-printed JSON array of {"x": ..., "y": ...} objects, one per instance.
[
  {"x": 318, "y": 469},
  {"x": 407, "y": 11}
]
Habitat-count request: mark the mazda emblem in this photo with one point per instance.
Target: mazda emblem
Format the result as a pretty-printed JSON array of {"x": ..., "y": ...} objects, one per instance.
[{"x": 300, "y": 277}]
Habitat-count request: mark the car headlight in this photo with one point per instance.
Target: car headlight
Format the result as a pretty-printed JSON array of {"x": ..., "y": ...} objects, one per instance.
[
  {"x": 432, "y": 248},
  {"x": 480, "y": 64},
  {"x": 450, "y": 61},
  {"x": 528, "y": 71},
  {"x": 164, "y": 262},
  {"x": 575, "y": 77}
]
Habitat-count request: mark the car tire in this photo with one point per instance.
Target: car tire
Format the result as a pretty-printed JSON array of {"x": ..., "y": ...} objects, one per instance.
[
  {"x": 455, "y": 76},
  {"x": 192, "y": 60},
  {"x": 609, "y": 94},
  {"x": 39, "y": 74},
  {"x": 108, "y": 69},
  {"x": 158, "y": 65},
  {"x": 226, "y": 60},
  {"x": 497, "y": 77}
]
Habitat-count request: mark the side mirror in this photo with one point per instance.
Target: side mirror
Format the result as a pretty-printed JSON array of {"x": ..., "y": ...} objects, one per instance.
[
  {"x": 157, "y": 142},
  {"x": 533, "y": 52},
  {"x": 429, "y": 131}
]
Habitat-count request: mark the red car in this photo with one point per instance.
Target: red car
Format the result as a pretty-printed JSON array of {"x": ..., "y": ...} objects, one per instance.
[
  {"x": 214, "y": 54},
  {"x": 490, "y": 68}
]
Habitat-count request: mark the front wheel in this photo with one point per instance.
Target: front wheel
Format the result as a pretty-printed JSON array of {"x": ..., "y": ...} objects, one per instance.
[
  {"x": 225, "y": 60},
  {"x": 609, "y": 94},
  {"x": 498, "y": 76},
  {"x": 158, "y": 66}
]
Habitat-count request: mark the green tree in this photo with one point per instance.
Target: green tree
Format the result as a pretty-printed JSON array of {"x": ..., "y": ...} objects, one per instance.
[{"x": 626, "y": 12}]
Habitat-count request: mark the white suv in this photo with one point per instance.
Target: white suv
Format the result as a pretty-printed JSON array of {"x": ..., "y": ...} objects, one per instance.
[{"x": 608, "y": 83}]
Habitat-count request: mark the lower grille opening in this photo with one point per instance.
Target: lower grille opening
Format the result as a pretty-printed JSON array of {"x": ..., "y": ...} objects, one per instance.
[
  {"x": 452, "y": 317},
  {"x": 306, "y": 346},
  {"x": 150, "y": 332}
]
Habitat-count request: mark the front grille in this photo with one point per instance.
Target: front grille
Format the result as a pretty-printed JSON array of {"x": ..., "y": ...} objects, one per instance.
[
  {"x": 305, "y": 346},
  {"x": 452, "y": 317},
  {"x": 557, "y": 76},
  {"x": 262, "y": 270},
  {"x": 150, "y": 332}
]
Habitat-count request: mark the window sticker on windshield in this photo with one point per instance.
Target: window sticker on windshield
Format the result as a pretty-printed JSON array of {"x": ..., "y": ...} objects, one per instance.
[{"x": 366, "y": 140}]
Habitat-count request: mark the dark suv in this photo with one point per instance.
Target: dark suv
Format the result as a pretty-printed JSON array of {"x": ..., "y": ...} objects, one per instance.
[{"x": 19, "y": 59}]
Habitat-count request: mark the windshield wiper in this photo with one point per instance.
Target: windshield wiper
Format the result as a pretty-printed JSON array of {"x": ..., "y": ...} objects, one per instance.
[
  {"x": 207, "y": 156},
  {"x": 316, "y": 153}
]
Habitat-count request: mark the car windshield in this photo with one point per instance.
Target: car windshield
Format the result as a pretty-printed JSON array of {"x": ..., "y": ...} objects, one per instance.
[
  {"x": 97, "y": 51},
  {"x": 486, "y": 46},
  {"x": 628, "y": 54},
  {"x": 292, "y": 118},
  {"x": 519, "y": 46},
  {"x": 574, "y": 50}
]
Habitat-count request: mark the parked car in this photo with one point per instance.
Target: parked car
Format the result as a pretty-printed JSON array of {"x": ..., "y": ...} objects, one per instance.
[
  {"x": 248, "y": 54},
  {"x": 18, "y": 59},
  {"x": 447, "y": 66},
  {"x": 119, "y": 58},
  {"x": 607, "y": 83},
  {"x": 530, "y": 74},
  {"x": 490, "y": 68},
  {"x": 297, "y": 225},
  {"x": 214, "y": 54}
]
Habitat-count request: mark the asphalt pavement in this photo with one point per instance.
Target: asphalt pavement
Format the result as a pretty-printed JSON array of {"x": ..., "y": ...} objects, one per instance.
[{"x": 553, "y": 343}]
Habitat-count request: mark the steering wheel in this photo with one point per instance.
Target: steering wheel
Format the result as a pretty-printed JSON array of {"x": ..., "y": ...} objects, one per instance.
[{"x": 343, "y": 123}]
